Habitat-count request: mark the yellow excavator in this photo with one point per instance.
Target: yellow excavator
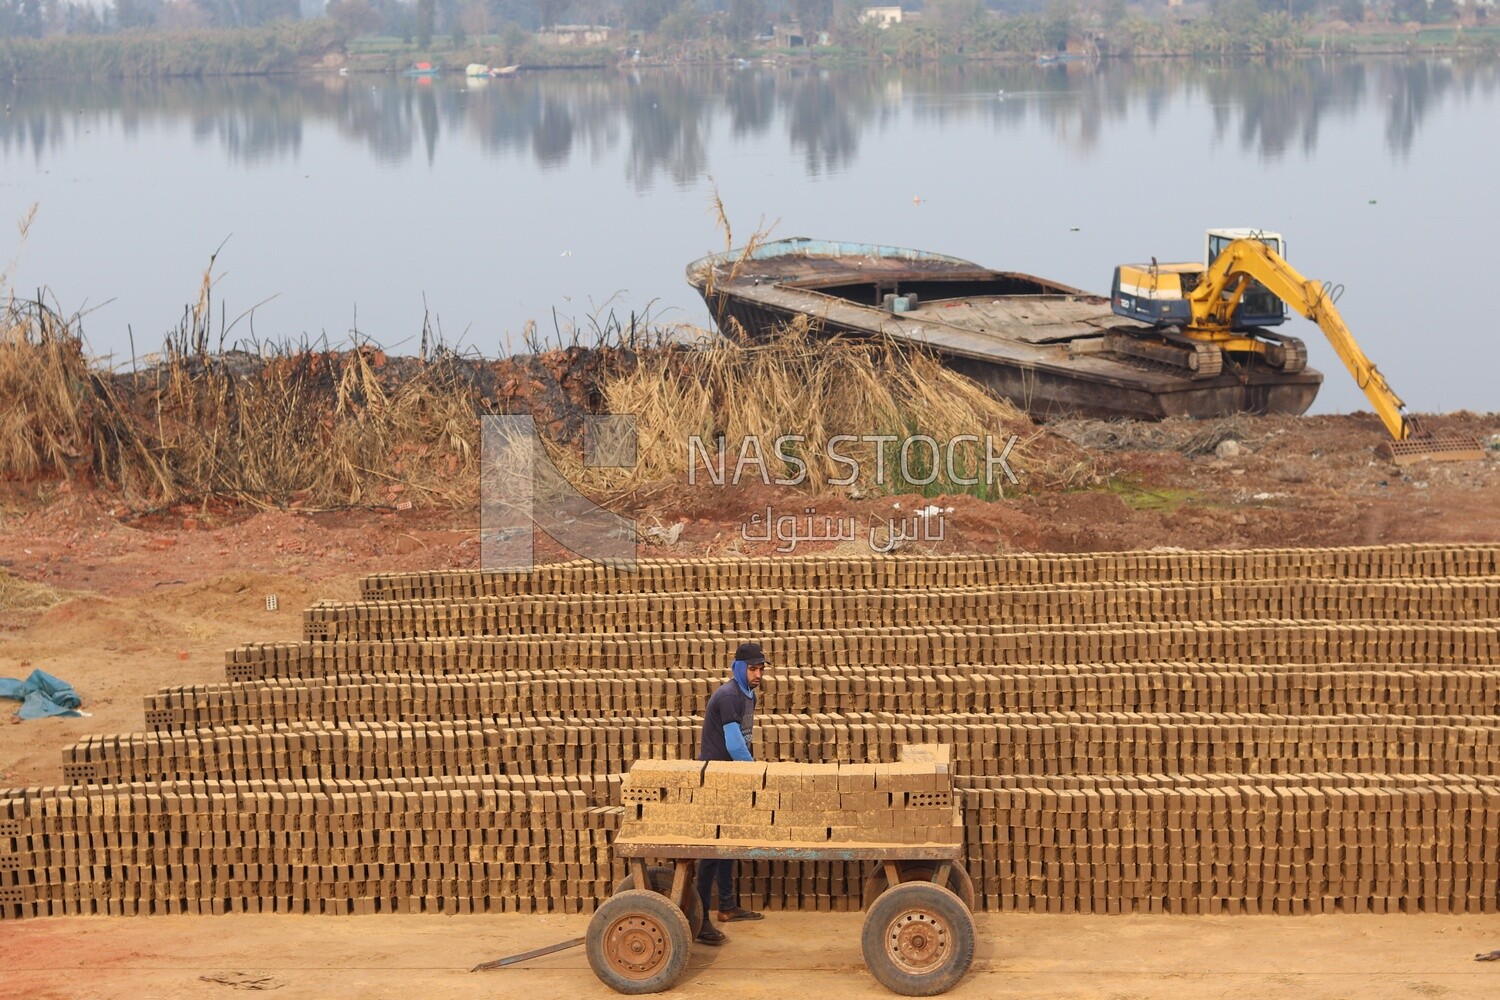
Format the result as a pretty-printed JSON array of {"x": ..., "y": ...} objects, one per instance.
[{"x": 1201, "y": 312}]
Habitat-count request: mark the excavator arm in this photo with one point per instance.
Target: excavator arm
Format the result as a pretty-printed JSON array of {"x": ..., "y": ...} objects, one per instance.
[{"x": 1214, "y": 301}]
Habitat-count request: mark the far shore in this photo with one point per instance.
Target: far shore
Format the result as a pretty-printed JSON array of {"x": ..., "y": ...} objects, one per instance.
[{"x": 322, "y": 47}]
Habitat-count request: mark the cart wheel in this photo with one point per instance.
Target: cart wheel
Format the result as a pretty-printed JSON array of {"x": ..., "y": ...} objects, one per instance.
[
  {"x": 638, "y": 942},
  {"x": 918, "y": 939},
  {"x": 661, "y": 881},
  {"x": 959, "y": 881}
]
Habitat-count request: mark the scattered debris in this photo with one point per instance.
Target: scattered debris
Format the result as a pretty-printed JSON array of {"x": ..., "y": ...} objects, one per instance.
[
  {"x": 657, "y": 535},
  {"x": 243, "y": 981},
  {"x": 1188, "y": 437}
]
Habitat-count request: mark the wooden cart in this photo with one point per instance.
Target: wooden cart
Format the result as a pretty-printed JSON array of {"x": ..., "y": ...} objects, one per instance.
[{"x": 918, "y": 936}]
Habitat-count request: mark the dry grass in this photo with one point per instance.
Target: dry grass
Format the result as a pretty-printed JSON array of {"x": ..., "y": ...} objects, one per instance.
[
  {"x": 43, "y": 380},
  {"x": 796, "y": 384},
  {"x": 320, "y": 429},
  {"x": 20, "y": 595}
]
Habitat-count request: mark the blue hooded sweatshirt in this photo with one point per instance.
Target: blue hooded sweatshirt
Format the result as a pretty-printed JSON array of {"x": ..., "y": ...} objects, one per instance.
[{"x": 729, "y": 721}]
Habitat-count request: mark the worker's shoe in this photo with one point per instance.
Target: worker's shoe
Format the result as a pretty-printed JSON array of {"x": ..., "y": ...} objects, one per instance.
[
  {"x": 738, "y": 913},
  {"x": 711, "y": 935}
]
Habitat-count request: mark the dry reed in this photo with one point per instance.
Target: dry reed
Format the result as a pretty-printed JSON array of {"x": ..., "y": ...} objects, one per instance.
[
  {"x": 43, "y": 382},
  {"x": 304, "y": 427},
  {"x": 321, "y": 429},
  {"x": 749, "y": 395}
]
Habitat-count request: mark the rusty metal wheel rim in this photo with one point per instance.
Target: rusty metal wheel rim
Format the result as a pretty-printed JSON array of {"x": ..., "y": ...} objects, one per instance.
[
  {"x": 918, "y": 941},
  {"x": 636, "y": 946}
]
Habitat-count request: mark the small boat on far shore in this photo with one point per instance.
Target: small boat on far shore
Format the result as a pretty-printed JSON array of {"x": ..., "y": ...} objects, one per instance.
[
  {"x": 422, "y": 69},
  {"x": 483, "y": 72},
  {"x": 1061, "y": 58}
]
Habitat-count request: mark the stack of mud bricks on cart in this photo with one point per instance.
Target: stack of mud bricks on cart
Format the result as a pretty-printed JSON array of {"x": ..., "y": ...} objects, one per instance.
[
  {"x": 1272, "y": 731},
  {"x": 688, "y": 801}
]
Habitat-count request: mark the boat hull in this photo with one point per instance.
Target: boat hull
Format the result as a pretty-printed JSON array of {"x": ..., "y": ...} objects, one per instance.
[{"x": 1041, "y": 347}]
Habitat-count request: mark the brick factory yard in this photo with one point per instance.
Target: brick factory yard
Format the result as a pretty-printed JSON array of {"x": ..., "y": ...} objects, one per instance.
[
  {"x": 155, "y": 601},
  {"x": 147, "y": 603}
]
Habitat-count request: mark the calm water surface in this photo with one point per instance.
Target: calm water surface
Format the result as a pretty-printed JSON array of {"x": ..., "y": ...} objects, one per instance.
[{"x": 562, "y": 198}]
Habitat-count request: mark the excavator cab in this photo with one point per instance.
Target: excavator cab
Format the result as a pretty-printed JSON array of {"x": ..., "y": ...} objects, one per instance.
[
  {"x": 1158, "y": 293},
  {"x": 1259, "y": 306}
]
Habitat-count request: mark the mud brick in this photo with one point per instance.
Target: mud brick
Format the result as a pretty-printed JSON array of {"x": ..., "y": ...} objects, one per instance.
[
  {"x": 742, "y": 775},
  {"x": 667, "y": 774},
  {"x": 822, "y": 782},
  {"x": 803, "y": 801},
  {"x": 766, "y": 800},
  {"x": 807, "y": 834},
  {"x": 905, "y": 778},
  {"x": 934, "y": 755},
  {"x": 785, "y": 777},
  {"x": 868, "y": 801}
]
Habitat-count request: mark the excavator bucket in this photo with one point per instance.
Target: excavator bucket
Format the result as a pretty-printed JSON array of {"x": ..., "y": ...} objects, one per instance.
[{"x": 1432, "y": 448}]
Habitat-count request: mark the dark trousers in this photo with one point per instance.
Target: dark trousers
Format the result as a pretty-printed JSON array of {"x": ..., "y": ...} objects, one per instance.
[{"x": 722, "y": 872}]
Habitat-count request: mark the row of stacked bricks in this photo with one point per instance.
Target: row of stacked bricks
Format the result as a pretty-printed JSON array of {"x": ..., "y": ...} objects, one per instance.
[
  {"x": 757, "y": 612},
  {"x": 1305, "y": 642},
  {"x": 1323, "y": 844},
  {"x": 451, "y": 845},
  {"x": 1040, "y": 743},
  {"x": 1101, "y": 765},
  {"x": 1147, "y": 687},
  {"x": 659, "y": 576}
]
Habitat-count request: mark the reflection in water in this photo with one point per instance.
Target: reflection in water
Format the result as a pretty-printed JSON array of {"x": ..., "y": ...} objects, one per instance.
[
  {"x": 552, "y": 139},
  {"x": 750, "y": 98},
  {"x": 664, "y": 119},
  {"x": 667, "y": 116},
  {"x": 823, "y": 118}
]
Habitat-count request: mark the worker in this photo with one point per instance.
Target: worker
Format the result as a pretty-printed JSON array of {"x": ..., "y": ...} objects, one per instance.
[{"x": 728, "y": 726}]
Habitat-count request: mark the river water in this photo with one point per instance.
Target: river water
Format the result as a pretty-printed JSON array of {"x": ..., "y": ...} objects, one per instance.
[{"x": 574, "y": 200}]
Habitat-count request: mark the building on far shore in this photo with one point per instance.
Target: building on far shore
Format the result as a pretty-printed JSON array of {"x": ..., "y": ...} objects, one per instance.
[
  {"x": 881, "y": 17},
  {"x": 574, "y": 35},
  {"x": 791, "y": 36}
]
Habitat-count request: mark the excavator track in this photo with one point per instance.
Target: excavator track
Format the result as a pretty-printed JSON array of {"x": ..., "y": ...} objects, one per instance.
[
  {"x": 1289, "y": 354},
  {"x": 1196, "y": 360}
]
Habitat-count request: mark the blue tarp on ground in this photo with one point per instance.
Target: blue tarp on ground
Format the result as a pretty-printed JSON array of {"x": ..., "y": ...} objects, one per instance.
[{"x": 41, "y": 695}]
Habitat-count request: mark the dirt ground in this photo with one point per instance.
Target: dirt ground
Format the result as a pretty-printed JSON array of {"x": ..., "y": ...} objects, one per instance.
[
  {"x": 786, "y": 955},
  {"x": 121, "y": 606}
]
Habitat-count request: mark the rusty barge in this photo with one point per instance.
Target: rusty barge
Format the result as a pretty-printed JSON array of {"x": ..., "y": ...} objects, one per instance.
[{"x": 1053, "y": 350}]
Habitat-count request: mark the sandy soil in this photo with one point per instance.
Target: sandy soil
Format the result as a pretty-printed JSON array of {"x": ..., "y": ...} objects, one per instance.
[
  {"x": 154, "y": 601},
  {"x": 787, "y": 954}
]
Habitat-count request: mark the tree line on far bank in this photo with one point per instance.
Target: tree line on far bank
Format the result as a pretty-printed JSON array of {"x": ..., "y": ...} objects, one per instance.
[{"x": 127, "y": 38}]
